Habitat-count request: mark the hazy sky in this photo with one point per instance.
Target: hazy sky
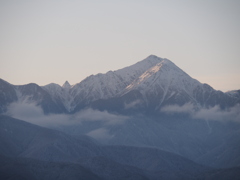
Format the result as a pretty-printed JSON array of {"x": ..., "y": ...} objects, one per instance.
[{"x": 46, "y": 41}]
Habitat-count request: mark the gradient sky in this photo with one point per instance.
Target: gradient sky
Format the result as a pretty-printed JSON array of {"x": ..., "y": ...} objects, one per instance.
[{"x": 46, "y": 41}]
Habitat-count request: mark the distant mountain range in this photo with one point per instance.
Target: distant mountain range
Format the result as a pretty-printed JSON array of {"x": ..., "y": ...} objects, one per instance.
[
  {"x": 32, "y": 152},
  {"x": 150, "y": 121},
  {"x": 145, "y": 86}
]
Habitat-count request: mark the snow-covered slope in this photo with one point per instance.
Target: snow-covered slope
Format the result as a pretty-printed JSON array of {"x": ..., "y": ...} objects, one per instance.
[
  {"x": 164, "y": 77},
  {"x": 164, "y": 74},
  {"x": 104, "y": 86},
  {"x": 100, "y": 86},
  {"x": 152, "y": 76},
  {"x": 152, "y": 82},
  {"x": 159, "y": 82}
]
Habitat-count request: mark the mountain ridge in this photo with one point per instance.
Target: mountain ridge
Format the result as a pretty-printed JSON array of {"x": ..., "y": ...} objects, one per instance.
[{"x": 157, "y": 81}]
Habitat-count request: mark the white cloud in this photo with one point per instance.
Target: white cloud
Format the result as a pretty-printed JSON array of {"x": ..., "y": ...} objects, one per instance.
[
  {"x": 132, "y": 104},
  {"x": 186, "y": 108},
  {"x": 100, "y": 134},
  {"x": 32, "y": 113},
  {"x": 213, "y": 113},
  {"x": 104, "y": 116}
]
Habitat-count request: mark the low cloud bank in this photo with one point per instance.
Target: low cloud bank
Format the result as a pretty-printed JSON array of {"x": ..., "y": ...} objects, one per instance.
[
  {"x": 32, "y": 113},
  {"x": 187, "y": 108},
  {"x": 214, "y": 113}
]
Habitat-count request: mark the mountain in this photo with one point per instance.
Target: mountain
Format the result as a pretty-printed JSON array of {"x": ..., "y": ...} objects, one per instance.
[
  {"x": 150, "y": 120},
  {"x": 66, "y": 85},
  {"x": 149, "y": 85},
  {"x": 7, "y": 95},
  {"x": 165, "y": 84},
  {"x": 32, "y": 169},
  {"x": 60, "y": 95},
  {"x": 30, "y": 151},
  {"x": 22, "y": 139},
  {"x": 29, "y": 93},
  {"x": 146, "y": 86},
  {"x": 212, "y": 143}
]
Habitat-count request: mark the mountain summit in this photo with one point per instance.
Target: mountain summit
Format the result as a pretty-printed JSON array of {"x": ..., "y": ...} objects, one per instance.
[{"x": 66, "y": 85}]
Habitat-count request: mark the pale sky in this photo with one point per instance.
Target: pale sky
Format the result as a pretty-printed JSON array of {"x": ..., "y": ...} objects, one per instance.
[{"x": 45, "y": 41}]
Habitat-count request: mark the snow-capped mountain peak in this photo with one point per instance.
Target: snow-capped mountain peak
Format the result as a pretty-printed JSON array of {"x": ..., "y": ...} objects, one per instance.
[
  {"x": 153, "y": 80},
  {"x": 163, "y": 81},
  {"x": 163, "y": 75}
]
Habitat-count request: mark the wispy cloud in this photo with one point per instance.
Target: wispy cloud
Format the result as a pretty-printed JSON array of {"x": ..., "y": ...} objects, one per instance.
[
  {"x": 213, "y": 113},
  {"x": 104, "y": 116},
  {"x": 187, "y": 108},
  {"x": 132, "y": 104},
  {"x": 100, "y": 134},
  {"x": 32, "y": 113}
]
